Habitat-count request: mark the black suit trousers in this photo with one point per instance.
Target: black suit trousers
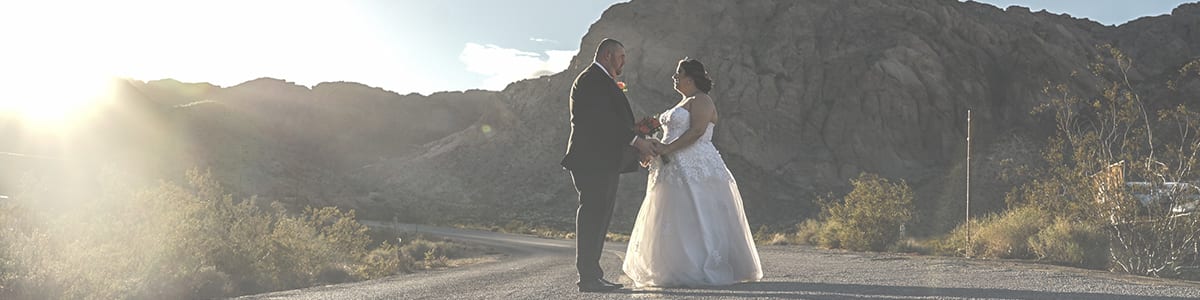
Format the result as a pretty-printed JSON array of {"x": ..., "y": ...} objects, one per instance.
[{"x": 597, "y": 198}]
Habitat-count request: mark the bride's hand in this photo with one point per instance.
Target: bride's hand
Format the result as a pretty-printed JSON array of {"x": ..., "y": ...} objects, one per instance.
[{"x": 659, "y": 148}]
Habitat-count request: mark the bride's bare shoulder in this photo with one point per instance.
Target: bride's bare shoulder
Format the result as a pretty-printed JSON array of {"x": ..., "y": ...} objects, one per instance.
[
  {"x": 698, "y": 98},
  {"x": 702, "y": 99}
]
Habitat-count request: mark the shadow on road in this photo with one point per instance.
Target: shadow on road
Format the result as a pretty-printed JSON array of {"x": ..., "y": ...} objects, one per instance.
[{"x": 805, "y": 290}]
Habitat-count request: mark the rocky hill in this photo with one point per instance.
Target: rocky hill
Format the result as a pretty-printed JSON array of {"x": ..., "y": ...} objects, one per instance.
[
  {"x": 810, "y": 93},
  {"x": 265, "y": 137}
]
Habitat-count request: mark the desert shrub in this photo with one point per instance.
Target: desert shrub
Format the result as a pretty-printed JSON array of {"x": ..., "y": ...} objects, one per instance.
[
  {"x": 384, "y": 261},
  {"x": 807, "y": 232},
  {"x": 1007, "y": 236},
  {"x": 1028, "y": 232},
  {"x": 424, "y": 252},
  {"x": 174, "y": 241},
  {"x": 419, "y": 248},
  {"x": 1073, "y": 244},
  {"x": 869, "y": 217},
  {"x": 830, "y": 235},
  {"x": 956, "y": 243},
  {"x": 764, "y": 235}
]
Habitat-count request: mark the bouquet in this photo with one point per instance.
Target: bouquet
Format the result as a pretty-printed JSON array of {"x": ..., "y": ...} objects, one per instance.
[{"x": 647, "y": 127}]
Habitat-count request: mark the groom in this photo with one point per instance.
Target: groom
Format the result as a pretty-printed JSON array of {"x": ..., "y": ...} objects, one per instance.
[{"x": 602, "y": 146}]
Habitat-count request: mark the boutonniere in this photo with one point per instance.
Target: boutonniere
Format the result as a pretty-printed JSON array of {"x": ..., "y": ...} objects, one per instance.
[{"x": 621, "y": 85}]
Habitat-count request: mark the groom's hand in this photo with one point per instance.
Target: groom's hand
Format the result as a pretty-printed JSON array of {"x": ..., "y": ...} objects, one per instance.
[{"x": 644, "y": 147}]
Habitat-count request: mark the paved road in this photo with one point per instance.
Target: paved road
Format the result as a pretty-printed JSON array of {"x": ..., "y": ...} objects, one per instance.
[{"x": 536, "y": 268}]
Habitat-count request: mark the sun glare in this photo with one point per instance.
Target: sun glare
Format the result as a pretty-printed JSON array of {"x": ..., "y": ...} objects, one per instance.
[
  {"x": 55, "y": 69},
  {"x": 54, "y": 103}
]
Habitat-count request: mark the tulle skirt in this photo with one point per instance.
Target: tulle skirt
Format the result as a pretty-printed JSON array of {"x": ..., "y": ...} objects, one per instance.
[{"x": 691, "y": 232}]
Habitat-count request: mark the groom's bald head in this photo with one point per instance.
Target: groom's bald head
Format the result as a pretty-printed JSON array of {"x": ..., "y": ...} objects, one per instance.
[
  {"x": 607, "y": 47},
  {"x": 611, "y": 54}
]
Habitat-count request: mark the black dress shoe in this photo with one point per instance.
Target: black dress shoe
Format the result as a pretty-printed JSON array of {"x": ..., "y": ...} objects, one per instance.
[
  {"x": 595, "y": 286},
  {"x": 618, "y": 285}
]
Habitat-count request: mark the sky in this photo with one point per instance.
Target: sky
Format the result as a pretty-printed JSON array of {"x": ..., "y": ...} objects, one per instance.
[{"x": 406, "y": 46}]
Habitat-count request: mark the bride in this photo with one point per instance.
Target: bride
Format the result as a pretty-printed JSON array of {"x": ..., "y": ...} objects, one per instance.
[{"x": 691, "y": 229}]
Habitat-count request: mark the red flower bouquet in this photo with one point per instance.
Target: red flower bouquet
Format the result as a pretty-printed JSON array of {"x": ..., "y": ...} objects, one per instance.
[{"x": 648, "y": 127}]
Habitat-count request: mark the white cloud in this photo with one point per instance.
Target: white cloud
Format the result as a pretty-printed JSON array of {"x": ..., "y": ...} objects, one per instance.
[
  {"x": 541, "y": 40},
  {"x": 505, "y": 65}
]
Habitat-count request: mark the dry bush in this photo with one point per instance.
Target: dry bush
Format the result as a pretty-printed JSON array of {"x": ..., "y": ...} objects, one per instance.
[
  {"x": 1005, "y": 235},
  {"x": 1073, "y": 244},
  {"x": 808, "y": 231},
  {"x": 173, "y": 242},
  {"x": 870, "y": 217}
]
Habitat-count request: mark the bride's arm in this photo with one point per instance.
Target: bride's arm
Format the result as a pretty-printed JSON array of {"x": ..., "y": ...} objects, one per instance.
[{"x": 702, "y": 111}]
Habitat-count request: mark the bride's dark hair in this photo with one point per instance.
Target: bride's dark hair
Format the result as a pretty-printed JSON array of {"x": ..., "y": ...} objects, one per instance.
[{"x": 695, "y": 70}]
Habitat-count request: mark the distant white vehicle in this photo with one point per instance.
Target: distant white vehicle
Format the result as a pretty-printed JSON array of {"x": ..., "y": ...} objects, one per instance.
[
  {"x": 1187, "y": 195},
  {"x": 1186, "y": 207},
  {"x": 3, "y": 197}
]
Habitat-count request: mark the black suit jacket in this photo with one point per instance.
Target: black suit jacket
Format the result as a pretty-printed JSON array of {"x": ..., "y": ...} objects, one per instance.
[{"x": 601, "y": 126}]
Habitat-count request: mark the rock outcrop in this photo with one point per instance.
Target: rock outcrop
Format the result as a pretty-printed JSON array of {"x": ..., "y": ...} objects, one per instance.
[{"x": 810, "y": 93}]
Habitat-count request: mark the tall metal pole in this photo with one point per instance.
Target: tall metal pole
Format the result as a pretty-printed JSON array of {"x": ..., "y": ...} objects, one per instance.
[{"x": 968, "y": 179}]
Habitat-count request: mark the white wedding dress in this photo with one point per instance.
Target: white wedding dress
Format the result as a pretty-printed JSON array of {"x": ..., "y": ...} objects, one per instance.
[{"x": 691, "y": 229}]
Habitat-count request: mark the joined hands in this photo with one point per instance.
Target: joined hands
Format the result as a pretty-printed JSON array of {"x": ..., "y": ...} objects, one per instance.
[{"x": 649, "y": 149}]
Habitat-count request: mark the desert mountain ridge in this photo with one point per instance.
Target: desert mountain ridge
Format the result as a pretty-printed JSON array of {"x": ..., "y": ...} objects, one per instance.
[{"x": 810, "y": 94}]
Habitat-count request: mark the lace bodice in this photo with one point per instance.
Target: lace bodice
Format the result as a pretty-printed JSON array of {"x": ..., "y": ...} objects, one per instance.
[{"x": 698, "y": 160}]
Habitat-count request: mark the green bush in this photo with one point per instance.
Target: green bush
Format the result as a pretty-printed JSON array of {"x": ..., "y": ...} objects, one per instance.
[
  {"x": 1073, "y": 244},
  {"x": 830, "y": 234},
  {"x": 869, "y": 217}
]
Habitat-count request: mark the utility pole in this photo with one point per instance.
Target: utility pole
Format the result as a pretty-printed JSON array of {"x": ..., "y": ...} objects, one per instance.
[{"x": 968, "y": 181}]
